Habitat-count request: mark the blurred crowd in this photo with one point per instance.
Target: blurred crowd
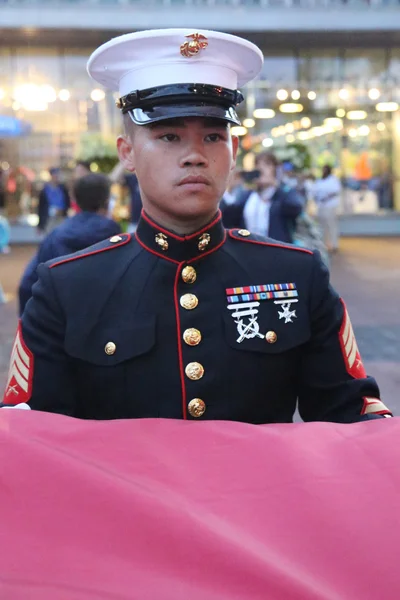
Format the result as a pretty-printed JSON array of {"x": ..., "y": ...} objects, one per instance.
[{"x": 73, "y": 210}]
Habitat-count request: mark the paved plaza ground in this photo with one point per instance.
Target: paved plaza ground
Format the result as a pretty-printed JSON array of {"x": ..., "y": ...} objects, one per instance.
[{"x": 366, "y": 273}]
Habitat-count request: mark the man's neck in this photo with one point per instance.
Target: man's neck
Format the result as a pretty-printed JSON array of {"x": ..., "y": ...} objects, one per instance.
[{"x": 179, "y": 226}]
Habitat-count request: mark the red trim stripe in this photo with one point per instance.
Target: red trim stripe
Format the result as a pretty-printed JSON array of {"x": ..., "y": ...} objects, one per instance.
[
  {"x": 243, "y": 239},
  {"x": 179, "y": 237},
  {"x": 179, "y": 340},
  {"x": 22, "y": 395},
  {"x": 66, "y": 260},
  {"x": 159, "y": 255}
]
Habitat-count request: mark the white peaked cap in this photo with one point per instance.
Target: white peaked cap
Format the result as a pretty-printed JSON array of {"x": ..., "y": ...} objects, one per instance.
[{"x": 153, "y": 58}]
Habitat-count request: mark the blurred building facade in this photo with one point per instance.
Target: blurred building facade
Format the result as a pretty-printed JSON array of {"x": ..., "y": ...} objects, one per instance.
[{"x": 329, "y": 91}]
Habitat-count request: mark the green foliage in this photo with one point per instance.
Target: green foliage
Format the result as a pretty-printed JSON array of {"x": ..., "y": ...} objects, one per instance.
[
  {"x": 95, "y": 148},
  {"x": 297, "y": 154}
]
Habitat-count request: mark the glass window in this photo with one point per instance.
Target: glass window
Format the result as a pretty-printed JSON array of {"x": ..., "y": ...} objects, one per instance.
[
  {"x": 279, "y": 69},
  {"x": 364, "y": 66},
  {"x": 319, "y": 67}
]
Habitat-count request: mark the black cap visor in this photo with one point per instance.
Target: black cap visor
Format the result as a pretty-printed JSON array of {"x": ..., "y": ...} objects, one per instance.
[{"x": 145, "y": 116}]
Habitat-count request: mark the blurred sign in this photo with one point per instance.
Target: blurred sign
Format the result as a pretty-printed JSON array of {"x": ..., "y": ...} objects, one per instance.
[{"x": 11, "y": 127}]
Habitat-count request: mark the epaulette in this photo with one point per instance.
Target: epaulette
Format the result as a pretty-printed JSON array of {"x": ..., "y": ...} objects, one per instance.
[
  {"x": 244, "y": 235},
  {"x": 113, "y": 242}
]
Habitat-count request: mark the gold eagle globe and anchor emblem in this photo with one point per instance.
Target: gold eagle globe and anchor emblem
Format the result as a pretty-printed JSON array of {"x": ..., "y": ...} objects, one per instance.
[{"x": 197, "y": 42}]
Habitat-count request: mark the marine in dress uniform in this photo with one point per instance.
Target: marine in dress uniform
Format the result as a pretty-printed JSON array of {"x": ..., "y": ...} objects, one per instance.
[{"x": 210, "y": 324}]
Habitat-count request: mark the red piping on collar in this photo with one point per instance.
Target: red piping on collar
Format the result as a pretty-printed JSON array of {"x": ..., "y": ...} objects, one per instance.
[
  {"x": 243, "y": 239},
  {"x": 179, "y": 237},
  {"x": 158, "y": 254},
  {"x": 66, "y": 260}
]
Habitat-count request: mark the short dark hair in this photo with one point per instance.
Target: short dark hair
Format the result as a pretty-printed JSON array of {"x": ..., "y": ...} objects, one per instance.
[
  {"x": 266, "y": 157},
  {"x": 83, "y": 163},
  {"x": 92, "y": 192}
]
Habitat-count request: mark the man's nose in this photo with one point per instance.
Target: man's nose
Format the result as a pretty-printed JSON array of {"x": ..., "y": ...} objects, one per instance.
[{"x": 194, "y": 157}]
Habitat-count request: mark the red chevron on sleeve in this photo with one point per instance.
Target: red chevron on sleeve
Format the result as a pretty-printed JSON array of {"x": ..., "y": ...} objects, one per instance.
[
  {"x": 19, "y": 382},
  {"x": 348, "y": 344}
]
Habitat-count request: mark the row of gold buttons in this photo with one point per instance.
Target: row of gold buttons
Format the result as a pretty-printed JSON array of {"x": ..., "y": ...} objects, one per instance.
[{"x": 192, "y": 337}]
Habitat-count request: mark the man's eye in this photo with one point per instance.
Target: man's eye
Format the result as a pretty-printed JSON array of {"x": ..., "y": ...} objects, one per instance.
[
  {"x": 214, "y": 137},
  {"x": 169, "y": 137}
]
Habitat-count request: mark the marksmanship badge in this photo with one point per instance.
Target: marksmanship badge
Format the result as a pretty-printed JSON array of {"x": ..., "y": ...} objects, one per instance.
[{"x": 243, "y": 302}]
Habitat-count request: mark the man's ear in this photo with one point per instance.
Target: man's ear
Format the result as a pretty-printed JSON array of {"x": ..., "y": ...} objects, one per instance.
[
  {"x": 125, "y": 153},
  {"x": 235, "y": 147}
]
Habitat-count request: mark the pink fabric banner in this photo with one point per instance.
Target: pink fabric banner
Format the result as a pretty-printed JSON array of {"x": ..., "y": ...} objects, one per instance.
[{"x": 174, "y": 510}]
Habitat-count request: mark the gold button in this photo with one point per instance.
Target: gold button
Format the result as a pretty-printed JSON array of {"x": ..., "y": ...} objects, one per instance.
[
  {"x": 192, "y": 336},
  {"x": 204, "y": 240},
  {"x": 194, "y": 371},
  {"x": 162, "y": 241},
  {"x": 110, "y": 348},
  {"x": 189, "y": 274},
  {"x": 189, "y": 301},
  {"x": 197, "y": 407},
  {"x": 271, "y": 337},
  {"x": 115, "y": 238},
  {"x": 244, "y": 232}
]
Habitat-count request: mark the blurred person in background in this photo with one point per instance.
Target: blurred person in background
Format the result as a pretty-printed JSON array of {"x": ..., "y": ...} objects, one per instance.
[
  {"x": 54, "y": 202},
  {"x": 89, "y": 226},
  {"x": 271, "y": 208},
  {"x": 232, "y": 199},
  {"x": 327, "y": 192},
  {"x": 82, "y": 168}
]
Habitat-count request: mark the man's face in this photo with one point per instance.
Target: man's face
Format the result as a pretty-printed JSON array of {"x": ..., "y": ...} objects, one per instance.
[
  {"x": 267, "y": 174},
  {"x": 182, "y": 165}
]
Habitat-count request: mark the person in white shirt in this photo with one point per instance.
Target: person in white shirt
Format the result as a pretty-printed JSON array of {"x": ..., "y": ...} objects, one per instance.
[
  {"x": 326, "y": 192},
  {"x": 271, "y": 210}
]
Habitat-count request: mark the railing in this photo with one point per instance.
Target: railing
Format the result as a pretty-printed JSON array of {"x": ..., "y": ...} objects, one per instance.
[{"x": 278, "y": 4}]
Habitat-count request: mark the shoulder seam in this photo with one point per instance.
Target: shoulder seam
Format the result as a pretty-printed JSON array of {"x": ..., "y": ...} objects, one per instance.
[
  {"x": 277, "y": 245},
  {"x": 111, "y": 247}
]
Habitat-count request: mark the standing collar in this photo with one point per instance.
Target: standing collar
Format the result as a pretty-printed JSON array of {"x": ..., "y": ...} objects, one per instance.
[{"x": 177, "y": 248}]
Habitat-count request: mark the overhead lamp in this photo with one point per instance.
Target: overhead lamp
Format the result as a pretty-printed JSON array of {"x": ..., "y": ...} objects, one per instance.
[
  {"x": 97, "y": 95},
  {"x": 290, "y": 139},
  {"x": 381, "y": 126},
  {"x": 305, "y": 122},
  {"x": 47, "y": 93},
  {"x": 311, "y": 95},
  {"x": 249, "y": 123},
  {"x": 282, "y": 95},
  {"x": 340, "y": 113},
  {"x": 363, "y": 130},
  {"x": 356, "y": 115},
  {"x": 291, "y": 107},
  {"x": 64, "y": 95},
  {"x": 267, "y": 142},
  {"x": 238, "y": 130},
  {"x": 352, "y": 133},
  {"x": 374, "y": 93},
  {"x": 344, "y": 94},
  {"x": 387, "y": 106},
  {"x": 295, "y": 94},
  {"x": 333, "y": 122},
  {"x": 264, "y": 113},
  {"x": 317, "y": 131},
  {"x": 304, "y": 135},
  {"x": 289, "y": 128},
  {"x": 2, "y": 94}
]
